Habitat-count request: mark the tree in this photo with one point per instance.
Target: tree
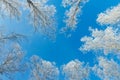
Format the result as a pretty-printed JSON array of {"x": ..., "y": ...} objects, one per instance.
[
  {"x": 110, "y": 16},
  {"x": 40, "y": 14},
  {"x": 76, "y": 70},
  {"x": 107, "y": 69},
  {"x": 12, "y": 55},
  {"x": 72, "y": 14},
  {"x": 11, "y": 61},
  {"x": 42, "y": 17},
  {"x": 105, "y": 40},
  {"x": 10, "y": 8},
  {"x": 42, "y": 69}
]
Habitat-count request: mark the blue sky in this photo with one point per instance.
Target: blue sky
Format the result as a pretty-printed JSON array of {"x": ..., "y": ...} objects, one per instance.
[{"x": 63, "y": 49}]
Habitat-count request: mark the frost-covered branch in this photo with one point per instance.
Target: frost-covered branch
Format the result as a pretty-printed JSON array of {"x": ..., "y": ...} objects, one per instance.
[
  {"x": 110, "y": 17},
  {"x": 72, "y": 14},
  {"x": 42, "y": 16},
  {"x": 40, "y": 13},
  {"x": 12, "y": 37},
  {"x": 76, "y": 70},
  {"x": 11, "y": 61},
  {"x": 107, "y": 69},
  {"x": 10, "y": 8},
  {"x": 107, "y": 40},
  {"x": 43, "y": 70}
]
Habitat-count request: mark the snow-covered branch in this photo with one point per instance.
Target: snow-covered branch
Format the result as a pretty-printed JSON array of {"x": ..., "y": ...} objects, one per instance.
[
  {"x": 72, "y": 14},
  {"x": 107, "y": 40},
  {"x": 42, "y": 16},
  {"x": 10, "y": 8},
  {"x": 76, "y": 70},
  {"x": 107, "y": 69},
  {"x": 110, "y": 17},
  {"x": 11, "y": 61},
  {"x": 42, "y": 69},
  {"x": 12, "y": 37}
]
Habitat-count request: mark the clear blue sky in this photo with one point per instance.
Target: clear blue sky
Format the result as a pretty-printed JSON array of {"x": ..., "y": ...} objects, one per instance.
[{"x": 63, "y": 49}]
